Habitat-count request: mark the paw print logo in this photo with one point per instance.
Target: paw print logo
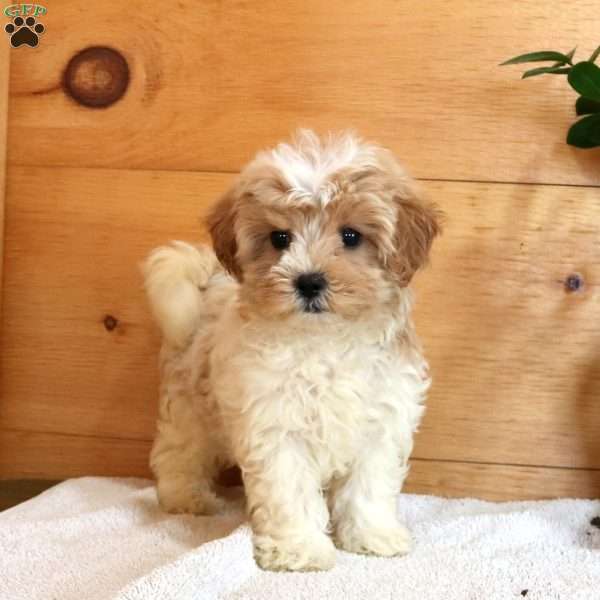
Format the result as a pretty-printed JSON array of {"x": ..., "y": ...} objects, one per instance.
[{"x": 24, "y": 32}]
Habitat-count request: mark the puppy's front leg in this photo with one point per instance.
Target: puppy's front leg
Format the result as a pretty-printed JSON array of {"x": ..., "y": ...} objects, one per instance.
[
  {"x": 363, "y": 504},
  {"x": 287, "y": 510}
]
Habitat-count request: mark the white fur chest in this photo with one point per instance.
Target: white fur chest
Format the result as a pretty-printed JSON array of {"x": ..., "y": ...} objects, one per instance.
[{"x": 331, "y": 391}]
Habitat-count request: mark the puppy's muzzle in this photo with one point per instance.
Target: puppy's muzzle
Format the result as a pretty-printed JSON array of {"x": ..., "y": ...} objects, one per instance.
[{"x": 310, "y": 287}]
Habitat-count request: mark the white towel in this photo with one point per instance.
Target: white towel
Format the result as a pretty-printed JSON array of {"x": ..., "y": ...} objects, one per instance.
[{"x": 99, "y": 539}]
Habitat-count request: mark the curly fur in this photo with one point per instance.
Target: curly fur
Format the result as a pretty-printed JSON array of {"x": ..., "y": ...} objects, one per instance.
[{"x": 317, "y": 408}]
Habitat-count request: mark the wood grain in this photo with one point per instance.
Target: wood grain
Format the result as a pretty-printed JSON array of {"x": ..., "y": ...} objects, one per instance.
[
  {"x": 500, "y": 482},
  {"x": 515, "y": 357},
  {"x": 212, "y": 82},
  {"x": 4, "y": 76},
  {"x": 55, "y": 456},
  {"x": 32, "y": 455},
  {"x": 75, "y": 239}
]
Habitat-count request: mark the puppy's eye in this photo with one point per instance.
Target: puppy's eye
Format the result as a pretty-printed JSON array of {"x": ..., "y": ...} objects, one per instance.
[
  {"x": 350, "y": 237},
  {"x": 280, "y": 239}
]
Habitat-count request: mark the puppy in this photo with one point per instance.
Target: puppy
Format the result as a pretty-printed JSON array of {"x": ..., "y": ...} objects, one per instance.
[{"x": 292, "y": 354}]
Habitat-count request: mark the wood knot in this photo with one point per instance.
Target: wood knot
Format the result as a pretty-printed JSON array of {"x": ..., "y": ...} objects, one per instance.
[
  {"x": 96, "y": 77},
  {"x": 110, "y": 322},
  {"x": 573, "y": 282}
]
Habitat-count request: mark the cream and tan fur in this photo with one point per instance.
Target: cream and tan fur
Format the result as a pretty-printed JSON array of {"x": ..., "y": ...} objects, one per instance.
[{"x": 318, "y": 401}]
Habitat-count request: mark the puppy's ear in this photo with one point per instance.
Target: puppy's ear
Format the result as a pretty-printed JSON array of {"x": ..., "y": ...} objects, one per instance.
[
  {"x": 221, "y": 226},
  {"x": 418, "y": 223}
]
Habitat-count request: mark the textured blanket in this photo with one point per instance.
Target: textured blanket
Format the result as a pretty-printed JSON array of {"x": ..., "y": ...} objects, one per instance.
[{"x": 98, "y": 539}]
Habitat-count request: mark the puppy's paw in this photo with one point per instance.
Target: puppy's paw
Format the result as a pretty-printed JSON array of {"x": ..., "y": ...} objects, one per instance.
[
  {"x": 393, "y": 541},
  {"x": 197, "y": 501},
  {"x": 316, "y": 553}
]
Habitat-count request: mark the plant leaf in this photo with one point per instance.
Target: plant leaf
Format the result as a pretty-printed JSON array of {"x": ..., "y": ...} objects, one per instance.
[
  {"x": 585, "y": 133},
  {"x": 595, "y": 55},
  {"x": 542, "y": 70},
  {"x": 585, "y": 106},
  {"x": 570, "y": 55},
  {"x": 538, "y": 57},
  {"x": 585, "y": 79}
]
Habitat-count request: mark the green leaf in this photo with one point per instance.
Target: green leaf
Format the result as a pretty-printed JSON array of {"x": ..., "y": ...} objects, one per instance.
[
  {"x": 585, "y": 133},
  {"x": 542, "y": 70},
  {"x": 595, "y": 55},
  {"x": 585, "y": 79},
  {"x": 570, "y": 55},
  {"x": 585, "y": 106},
  {"x": 538, "y": 57}
]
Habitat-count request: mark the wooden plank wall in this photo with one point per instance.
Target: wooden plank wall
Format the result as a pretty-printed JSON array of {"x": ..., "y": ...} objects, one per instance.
[
  {"x": 515, "y": 356},
  {"x": 4, "y": 67}
]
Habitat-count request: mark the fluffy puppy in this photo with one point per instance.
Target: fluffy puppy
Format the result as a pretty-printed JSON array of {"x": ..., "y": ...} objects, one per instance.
[{"x": 291, "y": 353}]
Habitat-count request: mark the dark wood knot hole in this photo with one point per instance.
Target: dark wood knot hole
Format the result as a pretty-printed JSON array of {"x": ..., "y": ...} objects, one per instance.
[
  {"x": 110, "y": 323},
  {"x": 573, "y": 282},
  {"x": 96, "y": 77}
]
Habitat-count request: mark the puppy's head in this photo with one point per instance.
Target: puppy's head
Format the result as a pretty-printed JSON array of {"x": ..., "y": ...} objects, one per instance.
[{"x": 320, "y": 227}]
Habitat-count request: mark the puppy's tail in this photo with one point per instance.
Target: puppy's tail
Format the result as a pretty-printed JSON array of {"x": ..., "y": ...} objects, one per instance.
[{"x": 174, "y": 278}]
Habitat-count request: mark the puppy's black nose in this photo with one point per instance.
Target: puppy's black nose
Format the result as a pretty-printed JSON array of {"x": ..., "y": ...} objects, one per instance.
[{"x": 310, "y": 285}]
